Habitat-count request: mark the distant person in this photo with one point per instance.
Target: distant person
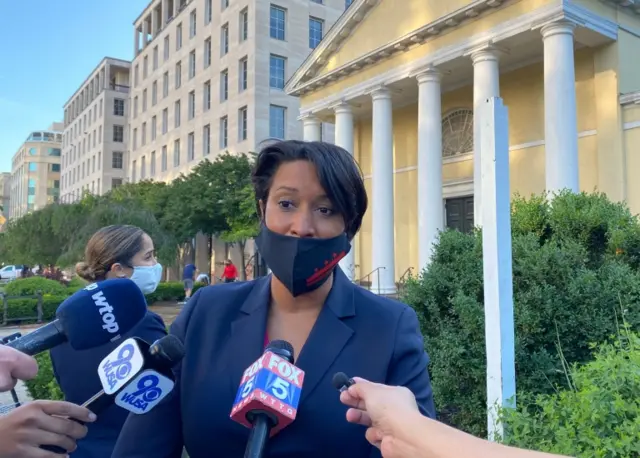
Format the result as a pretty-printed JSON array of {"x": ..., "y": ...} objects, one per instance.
[
  {"x": 230, "y": 273},
  {"x": 203, "y": 278},
  {"x": 117, "y": 251},
  {"x": 188, "y": 276}
]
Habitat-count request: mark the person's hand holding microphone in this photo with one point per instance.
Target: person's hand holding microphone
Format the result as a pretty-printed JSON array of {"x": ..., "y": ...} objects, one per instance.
[
  {"x": 385, "y": 411},
  {"x": 15, "y": 366},
  {"x": 41, "y": 422},
  {"x": 396, "y": 426}
]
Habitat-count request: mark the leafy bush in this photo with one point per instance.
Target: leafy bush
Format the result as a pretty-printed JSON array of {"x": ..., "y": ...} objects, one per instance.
[
  {"x": 25, "y": 310},
  {"x": 29, "y": 286},
  {"x": 598, "y": 417},
  {"x": 170, "y": 291},
  {"x": 44, "y": 385},
  {"x": 569, "y": 279}
]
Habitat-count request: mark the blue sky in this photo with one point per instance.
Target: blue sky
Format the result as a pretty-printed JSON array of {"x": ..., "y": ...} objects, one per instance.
[{"x": 47, "y": 49}]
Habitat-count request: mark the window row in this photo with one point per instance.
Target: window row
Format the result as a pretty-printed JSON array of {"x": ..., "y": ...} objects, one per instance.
[
  {"x": 91, "y": 165},
  {"x": 277, "y": 129},
  {"x": 243, "y": 28},
  {"x": 278, "y": 26}
]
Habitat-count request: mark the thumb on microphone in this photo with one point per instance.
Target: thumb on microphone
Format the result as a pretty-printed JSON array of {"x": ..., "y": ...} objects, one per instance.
[{"x": 15, "y": 366}]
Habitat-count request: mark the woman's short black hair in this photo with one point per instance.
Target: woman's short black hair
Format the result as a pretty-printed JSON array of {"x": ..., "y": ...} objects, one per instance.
[{"x": 338, "y": 174}]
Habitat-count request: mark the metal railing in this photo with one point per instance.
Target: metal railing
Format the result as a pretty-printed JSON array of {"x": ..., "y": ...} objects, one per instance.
[
  {"x": 368, "y": 283},
  {"x": 119, "y": 88},
  {"x": 5, "y": 309},
  {"x": 403, "y": 279}
]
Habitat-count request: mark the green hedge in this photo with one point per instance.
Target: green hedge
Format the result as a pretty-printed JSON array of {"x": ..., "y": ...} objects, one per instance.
[
  {"x": 574, "y": 269},
  {"x": 29, "y": 286},
  {"x": 598, "y": 417},
  {"x": 27, "y": 307}
]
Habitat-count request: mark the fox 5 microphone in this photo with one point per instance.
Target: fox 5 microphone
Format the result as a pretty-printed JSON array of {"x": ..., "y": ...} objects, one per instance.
[
  {"x": 97, "y": 314},
  {"x": 268, "y": 396},
  {"x": 141, "y": 386}
]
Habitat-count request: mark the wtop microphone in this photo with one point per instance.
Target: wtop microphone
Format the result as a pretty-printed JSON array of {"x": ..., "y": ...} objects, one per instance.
[
  {"x": 97, "y": 314},
  {"x": 268, "y": 396},
  {"x": 141, "y": 390}
]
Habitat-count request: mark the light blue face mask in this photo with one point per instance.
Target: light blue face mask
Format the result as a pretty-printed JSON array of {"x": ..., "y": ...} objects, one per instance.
[{"x": 147, "y": 277}]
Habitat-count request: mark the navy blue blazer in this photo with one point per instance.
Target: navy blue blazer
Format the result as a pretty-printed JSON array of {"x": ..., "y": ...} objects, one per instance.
[
  {"x": 223, "y": 329},
  {"x": 77, "y": 374}
]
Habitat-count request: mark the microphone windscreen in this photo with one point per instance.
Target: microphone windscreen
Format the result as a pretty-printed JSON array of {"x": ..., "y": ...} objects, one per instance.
[
  {"x": 101, "y": 312},
  {"x": 168, "y": 350},
  {"x": 340, "y": 381},
  {"x": 281, "y": 348}
]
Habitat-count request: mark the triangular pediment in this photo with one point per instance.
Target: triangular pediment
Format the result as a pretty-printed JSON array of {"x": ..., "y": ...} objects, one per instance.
[{"x": 371, "y": 30}]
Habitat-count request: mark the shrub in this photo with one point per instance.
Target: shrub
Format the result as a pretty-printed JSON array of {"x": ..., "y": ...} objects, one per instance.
[
  {"x": 25, "y": 309},
  {"x": 29, "y": 287},
  {"x": 569, "y": 280},
  {"x": 598, "y": 417},
  {"x": 170, "y": 291},
  {"x": 44, "y": 385}
]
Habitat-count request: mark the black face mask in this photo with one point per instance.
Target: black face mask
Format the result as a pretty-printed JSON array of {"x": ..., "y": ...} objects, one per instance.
[{"x": 301, "y": 264}]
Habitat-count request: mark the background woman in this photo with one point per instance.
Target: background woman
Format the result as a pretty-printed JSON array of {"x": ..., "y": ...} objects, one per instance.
[
  {"x": 311, "y": 199},
  {"x": 113, "y": 252}
]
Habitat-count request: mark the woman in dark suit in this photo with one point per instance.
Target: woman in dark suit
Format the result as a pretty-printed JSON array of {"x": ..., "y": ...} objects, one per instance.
[
  {"x": 112, "y": 252},
  {"x": 311, "y": 198}
]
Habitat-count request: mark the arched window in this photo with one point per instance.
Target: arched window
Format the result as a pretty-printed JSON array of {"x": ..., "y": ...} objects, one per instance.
[{"x": 457, "y": 133}]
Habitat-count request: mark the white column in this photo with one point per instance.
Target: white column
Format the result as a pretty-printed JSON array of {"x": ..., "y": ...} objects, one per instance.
[
  {"x": 497, "y": 263},
  {"x": 430, "y": 204},
  {"x": 154, "y": 22},
  {"x": 344, "y": 139},
  {"x": 312, "y": 129},
  {"x": 145, "y": 32},
  {"x": 136, "y": 41},
  {"x": 560, "y": 123},
  {"x": 486, "y": 84},
  {"x": 383, "y": 241}
]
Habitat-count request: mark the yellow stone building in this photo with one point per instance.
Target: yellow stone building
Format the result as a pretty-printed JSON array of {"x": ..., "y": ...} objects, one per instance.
[{"x": 401, "y": 80}]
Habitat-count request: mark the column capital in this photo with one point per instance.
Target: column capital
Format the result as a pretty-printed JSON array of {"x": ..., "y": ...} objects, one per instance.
[
  {"x": 429, "y": 75},
  {"x": 486, "y": 53},
  {"x": 342, "y": 107},
  {"x": 562, "y": 27},
  {"x": 380, "y": 92},
  {"x": 309, "y": 118}
]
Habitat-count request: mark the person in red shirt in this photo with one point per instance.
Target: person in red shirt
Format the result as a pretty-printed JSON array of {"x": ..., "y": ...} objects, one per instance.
[{"x": 230, "y": 273}]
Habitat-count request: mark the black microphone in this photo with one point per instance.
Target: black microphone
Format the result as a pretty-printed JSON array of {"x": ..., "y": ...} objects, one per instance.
[
  {"x": 341, "y": 382},
  {"x": 142, "y": 389},
  {"x": 97, "y": 314}
]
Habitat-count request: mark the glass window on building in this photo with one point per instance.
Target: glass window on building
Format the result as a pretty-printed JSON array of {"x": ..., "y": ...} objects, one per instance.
[
  {"x": 33, "y": 151},
  {"x": 54, "y": 167},
  {"x": 277, "y": 21},
  {"x": 277, "y": 116},
  {"x": 33, "y": 166},
  {"x": 54, "y": 152}
]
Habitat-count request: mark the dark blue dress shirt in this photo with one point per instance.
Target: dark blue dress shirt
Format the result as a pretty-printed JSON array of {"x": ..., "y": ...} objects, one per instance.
[
  {"x": 77, "y": 374},
  {"x": 223, "y": 329}
]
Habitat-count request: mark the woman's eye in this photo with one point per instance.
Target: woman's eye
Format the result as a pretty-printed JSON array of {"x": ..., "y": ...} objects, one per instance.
[
  {"x": 285, "y": 204},
  {"x": 325, "y": 211}
]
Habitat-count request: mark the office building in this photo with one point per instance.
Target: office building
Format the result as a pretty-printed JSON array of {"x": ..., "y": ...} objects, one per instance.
[
  {"x": 35, "y": 172},
  {"x": 404, "y": 91},
  {"x": 208, "y": 76},
  {"x": 94, "y": 151},
  {"x": 5, "y": 198}
]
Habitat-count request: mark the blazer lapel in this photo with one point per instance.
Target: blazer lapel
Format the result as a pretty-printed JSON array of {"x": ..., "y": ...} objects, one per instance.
[
  {"x": 246, "y": 342},
  {"x": 329, "y": 334}
]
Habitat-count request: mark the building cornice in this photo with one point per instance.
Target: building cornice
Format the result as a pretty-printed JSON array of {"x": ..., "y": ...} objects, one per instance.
[
  {"x": 533, "y": 20},
  {"x": 94, "y": 72},
  {"x": 631, "y": 98},
  {"x": 630, "y": 6}
]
